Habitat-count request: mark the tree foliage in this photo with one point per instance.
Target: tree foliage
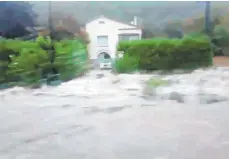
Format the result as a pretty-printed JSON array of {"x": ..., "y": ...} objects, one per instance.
[
  {"x": 29, "y": 61},
  {"x": 15, "y": 18},
  {"x": 174, "y": 29},
  {"x": 221, "y": 36},
  {"x": 147, "y": 33},
  {"x": 66, "y": 27}
]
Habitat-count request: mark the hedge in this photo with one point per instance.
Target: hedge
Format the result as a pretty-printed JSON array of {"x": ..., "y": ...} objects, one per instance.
[
  {"x": 28, "y": 62},
  {"x": 167, "y": 54},
  {"x": 126, "y": 64}
]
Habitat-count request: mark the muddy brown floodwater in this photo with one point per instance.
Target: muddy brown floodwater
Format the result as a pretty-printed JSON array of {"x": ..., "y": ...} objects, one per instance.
[
  {"x": 91, "y": 118},
  {"x": 221, "y": 61}
]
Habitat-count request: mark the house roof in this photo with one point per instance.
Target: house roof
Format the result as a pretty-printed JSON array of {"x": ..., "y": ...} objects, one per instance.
[{"x": 102, "y": 16}]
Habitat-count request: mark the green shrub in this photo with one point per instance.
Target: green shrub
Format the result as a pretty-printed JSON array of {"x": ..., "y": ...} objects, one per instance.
[
  {"x": 29, "y": 61},
  {"x": 220, "y": 40},
  {"x": 9, "y": 48},
  {"x": 221, "y": 36},
  {"x": 166, "y": 54},
  {"x": 71, "y": 58},
  {"x": 126, "y": 64},
  {"x": 155, "y": 82},
  {"x": 196, "y": 35}
]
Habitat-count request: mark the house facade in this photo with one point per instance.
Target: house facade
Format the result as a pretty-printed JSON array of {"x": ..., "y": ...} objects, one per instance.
[{"x": 104, "y": 35}]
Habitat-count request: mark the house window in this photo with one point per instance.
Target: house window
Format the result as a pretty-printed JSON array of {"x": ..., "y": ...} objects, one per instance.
[
  {"x": 101, "y": 22},
  {"x": 102, "y": 40},
  {"x": 134, "y": 37},
  {"x": 128, "y": 37}
]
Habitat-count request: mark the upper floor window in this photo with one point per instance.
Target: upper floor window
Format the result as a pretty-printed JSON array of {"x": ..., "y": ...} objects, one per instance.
[
  {"x": 101, "y": 22},
  {"x": 128, "y": 37},
  {"x": 102, "y": 40}
]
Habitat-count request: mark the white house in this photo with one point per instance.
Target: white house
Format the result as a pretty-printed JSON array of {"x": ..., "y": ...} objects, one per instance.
[{"x": 104, "y": 35}]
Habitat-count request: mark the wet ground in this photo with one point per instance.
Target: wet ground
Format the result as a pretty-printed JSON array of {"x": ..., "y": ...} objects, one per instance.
[
  {"x": 110, "y": 118},
  {"x": 221, "y": 61}
]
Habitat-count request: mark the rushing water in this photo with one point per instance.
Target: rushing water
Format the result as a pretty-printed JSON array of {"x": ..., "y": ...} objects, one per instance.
[{"x": 111, "y": 117}]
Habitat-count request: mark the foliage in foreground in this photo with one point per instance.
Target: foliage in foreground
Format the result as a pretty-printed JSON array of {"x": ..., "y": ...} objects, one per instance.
[
  {"x": 167, "y": 54},
  {"x": 29, "y": 61},
  {"x": 126, "y": 64}
]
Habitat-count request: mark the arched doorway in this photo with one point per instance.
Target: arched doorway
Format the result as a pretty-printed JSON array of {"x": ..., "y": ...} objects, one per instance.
[
  {"x": 104, "y": 57},
  {"x": 104, "y": 60}
]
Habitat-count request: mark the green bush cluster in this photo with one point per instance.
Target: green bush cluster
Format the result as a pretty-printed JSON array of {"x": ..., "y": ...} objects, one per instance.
[
  {"x": 166, "y": 54},
  {"x": 126, "y": 64},
  {"x": 220, "y": 41},
  {"x": 29, "y": 61}
]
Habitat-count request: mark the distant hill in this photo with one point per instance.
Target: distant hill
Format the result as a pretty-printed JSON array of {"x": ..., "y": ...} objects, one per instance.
[{"x": 154, "y": 14}]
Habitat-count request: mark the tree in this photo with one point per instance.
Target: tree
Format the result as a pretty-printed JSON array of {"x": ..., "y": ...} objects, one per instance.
[
  {"x": 174, "y": 30},
  {"x": 191, "y": 25},
  {"x": 147, "y": 33},
  {"x": 220, "y": 39},
  {"x": 198, "y": 24},
  {"x": 16, "y": 18},
  {"x": 224, "y": 21},
  {"x": 65, "y": 27}
]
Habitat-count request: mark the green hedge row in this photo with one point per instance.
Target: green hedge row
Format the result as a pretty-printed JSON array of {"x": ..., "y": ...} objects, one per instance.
[
  {"x": 165, "y": 54},
  {"x": 29, "y": 61}
]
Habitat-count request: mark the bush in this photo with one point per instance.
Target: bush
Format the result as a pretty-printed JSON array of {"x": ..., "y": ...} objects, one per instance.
[
  {"x": 166, "y": 54},
  {"x": 196, "y": 35},
  {"x": 220, "y": 41},
  {"x": 126, "y": 64},
  {"x": 155, "y": 82},
  {"x": 221, "y": 36},
  {"x": 29, "y": 61}
]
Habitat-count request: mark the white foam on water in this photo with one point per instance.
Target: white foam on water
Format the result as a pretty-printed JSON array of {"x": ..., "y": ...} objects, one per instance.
[{"x": 210, "y": 81}]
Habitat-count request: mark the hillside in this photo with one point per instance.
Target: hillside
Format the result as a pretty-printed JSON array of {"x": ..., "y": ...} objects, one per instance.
[{"x": 154, "y": 14}]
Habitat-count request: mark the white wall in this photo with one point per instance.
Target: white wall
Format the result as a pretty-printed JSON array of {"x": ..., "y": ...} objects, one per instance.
[{"x": 110, "y": 28}]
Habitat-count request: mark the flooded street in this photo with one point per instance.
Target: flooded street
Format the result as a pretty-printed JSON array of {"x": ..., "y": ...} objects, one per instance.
[{"x": 96, "y": 117}]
